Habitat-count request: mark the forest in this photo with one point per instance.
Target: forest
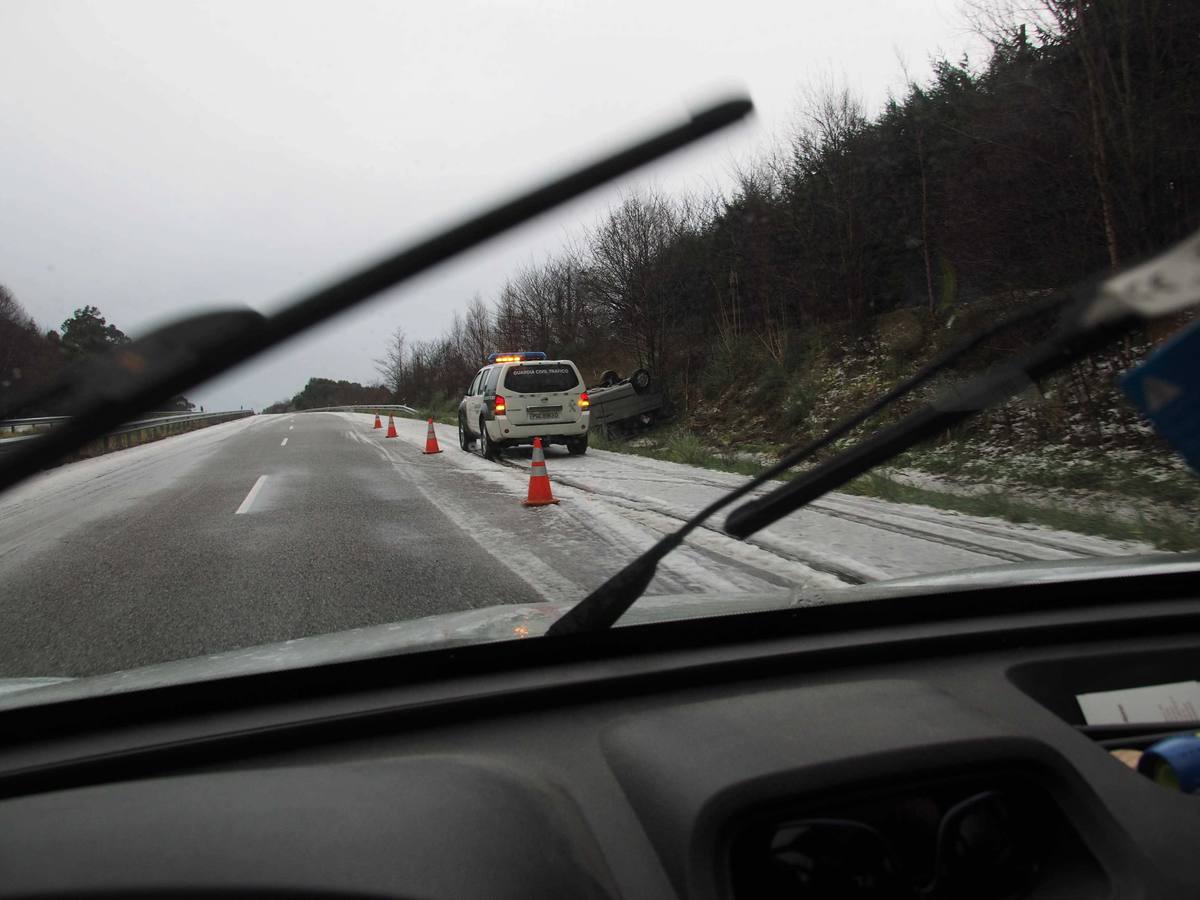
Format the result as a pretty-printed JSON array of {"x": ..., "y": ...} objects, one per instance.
[
  {"x": 874, "y": 240},
  {"x": 30, "y": 359}
]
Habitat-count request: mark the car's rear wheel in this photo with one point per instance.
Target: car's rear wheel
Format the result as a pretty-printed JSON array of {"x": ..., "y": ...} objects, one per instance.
[
  {"x": 486, "y": 447},
  {"x": 577, "y": 446},
  {"x": 465, "y": 441},
  {"x": 640, "y": 381}
]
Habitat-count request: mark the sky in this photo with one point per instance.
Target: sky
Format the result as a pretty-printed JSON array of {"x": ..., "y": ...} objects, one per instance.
[{"x": 162, "y": 158}]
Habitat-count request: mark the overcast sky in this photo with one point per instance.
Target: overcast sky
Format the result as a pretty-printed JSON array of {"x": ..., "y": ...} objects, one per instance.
[{"x": 162, "y": 157}]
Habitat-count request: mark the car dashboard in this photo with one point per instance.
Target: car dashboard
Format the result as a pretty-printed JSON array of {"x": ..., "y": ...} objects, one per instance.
[{"x": 930, "y": 747}]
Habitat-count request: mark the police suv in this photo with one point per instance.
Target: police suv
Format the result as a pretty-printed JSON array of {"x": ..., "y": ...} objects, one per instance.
[{"x": 519, "y": 396}]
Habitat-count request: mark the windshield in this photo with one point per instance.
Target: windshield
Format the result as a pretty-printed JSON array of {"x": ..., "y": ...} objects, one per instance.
[{"x": 366, "y": 488}]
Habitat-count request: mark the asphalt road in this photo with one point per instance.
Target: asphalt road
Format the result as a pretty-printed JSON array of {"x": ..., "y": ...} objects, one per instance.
[
  {"x": 279, "y": 527},
  {"x": 150, "y": 561}
]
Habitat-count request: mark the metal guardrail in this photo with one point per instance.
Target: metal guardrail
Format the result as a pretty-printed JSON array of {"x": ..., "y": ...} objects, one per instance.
[
  {"x": 177, "y": 418},
  {"x": 50, "y": 421},
  {"x": 159, "y": 426},
  {"x": 362, "y": 408}
]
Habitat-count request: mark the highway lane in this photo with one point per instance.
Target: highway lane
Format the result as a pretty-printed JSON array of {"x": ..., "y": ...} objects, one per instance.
[
  {"x": 568, "y": 550},
  {"x": 279, "y": 527},
  {"x": 148, "y": 559}
]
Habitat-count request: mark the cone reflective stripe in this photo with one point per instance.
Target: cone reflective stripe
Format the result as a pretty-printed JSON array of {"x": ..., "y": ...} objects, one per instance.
[
  {"x": 431, "y": 440},
  {"x": 539, "y": 481},
  {"x": 391, "y": 428},
  {"x": 378, "y": 424}
]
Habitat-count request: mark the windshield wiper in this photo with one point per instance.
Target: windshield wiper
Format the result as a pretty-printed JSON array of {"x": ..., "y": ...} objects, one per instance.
[
  {"x": 105, "y": 392},
  {"x": 1089, "y": 317}
]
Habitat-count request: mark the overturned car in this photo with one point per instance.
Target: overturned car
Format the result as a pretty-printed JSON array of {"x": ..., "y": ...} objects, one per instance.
[{"x": 626, "y": 403}]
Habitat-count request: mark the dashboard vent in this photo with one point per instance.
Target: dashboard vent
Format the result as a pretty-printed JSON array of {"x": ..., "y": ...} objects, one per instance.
[{"x": 984, "y": 837}]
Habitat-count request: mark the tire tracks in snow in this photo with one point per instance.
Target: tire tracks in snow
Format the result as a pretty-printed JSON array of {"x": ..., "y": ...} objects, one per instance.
[
  {"x": 726, "y": 547},
  {"x": 1001, "y": 541}
]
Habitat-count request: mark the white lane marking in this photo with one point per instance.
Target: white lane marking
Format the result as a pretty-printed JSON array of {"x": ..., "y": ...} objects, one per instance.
[
  {"x": 249, "y": 501},
  {"x": 290, "y": 427},
  {"x": 283, "y": 443}
]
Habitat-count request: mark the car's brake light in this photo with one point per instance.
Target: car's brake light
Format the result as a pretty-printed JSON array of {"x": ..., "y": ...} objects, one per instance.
[
  {"x": 584, "y": 402},
  {"x": 499, "y": 406}
]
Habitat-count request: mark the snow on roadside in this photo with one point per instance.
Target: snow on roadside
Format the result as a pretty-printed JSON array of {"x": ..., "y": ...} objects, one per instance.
[
  {"x": 91, "y": 489},
  {"x": 88, "y": 476},
  {"x": 1016, "y": 540},
  {"x": 984, "y": 535},
  {"x": 632, "y": 500},
  {"x": 1125, "y": 508},
  {"x": 585, "y": 539}
]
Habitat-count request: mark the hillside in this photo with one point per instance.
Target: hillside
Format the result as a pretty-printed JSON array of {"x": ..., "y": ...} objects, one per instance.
[{"x": 1070, "y": 452}]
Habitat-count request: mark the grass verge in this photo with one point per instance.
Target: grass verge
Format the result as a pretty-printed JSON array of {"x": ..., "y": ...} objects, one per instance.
[
  {"x": 1144, "y": 475},
  {"x": 1165, "y": 533},
  {"x": 424, "y": 414},
  {"x": 676, "y": 445},
  {"x": 1168, "y": 533}
]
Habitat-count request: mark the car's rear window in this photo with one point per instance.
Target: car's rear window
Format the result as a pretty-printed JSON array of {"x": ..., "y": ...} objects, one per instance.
[{"x": 540, "y": 379}]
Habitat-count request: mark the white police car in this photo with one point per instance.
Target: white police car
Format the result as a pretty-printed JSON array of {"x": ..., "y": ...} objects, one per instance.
[{"x": 519, "y": 396}]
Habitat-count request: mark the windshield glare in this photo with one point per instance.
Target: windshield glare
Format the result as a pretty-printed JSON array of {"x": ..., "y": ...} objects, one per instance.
[{"x": 368, "y": 488}]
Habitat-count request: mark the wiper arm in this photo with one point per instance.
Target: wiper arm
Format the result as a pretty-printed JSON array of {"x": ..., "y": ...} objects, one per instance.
[
  {"x": 951, "y": 408},
  {"x": 607, "y": 603},
  {"x": 104, "y": 393},
  {"x": 1091, "y": 316},
  {"x": 1164, "y": 285}
]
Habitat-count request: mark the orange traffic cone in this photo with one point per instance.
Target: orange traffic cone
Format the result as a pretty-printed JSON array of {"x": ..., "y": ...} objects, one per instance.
[
  {"x": 539, "y": 481},
  {"x": 391, "y": 428},
  {"x": 431, "y": 440},
  {"x": 378, "y": 424}
]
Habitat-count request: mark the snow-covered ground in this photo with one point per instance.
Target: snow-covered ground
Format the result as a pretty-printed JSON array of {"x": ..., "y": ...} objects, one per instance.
[
  {"x": 92, "y": 490},
  {"x": 170, "y": 549},
  {"x": 1119, "y": 507},
  {"x": 615, "y": 504}
]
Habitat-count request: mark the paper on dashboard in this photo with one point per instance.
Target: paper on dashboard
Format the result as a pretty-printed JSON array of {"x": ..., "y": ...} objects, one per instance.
[{"x": 1175, "y": 702}]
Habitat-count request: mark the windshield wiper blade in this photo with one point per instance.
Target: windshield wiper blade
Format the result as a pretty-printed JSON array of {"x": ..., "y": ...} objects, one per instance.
[
  {"x": 607, "y": 603},
  {"x": 1162, "y": 286},
  {"x": 110, "y": 389},
  {"x": 1091, "y": 316},
  {"x": 103, "y": 393},
  {"x": 948, "y": 410}
]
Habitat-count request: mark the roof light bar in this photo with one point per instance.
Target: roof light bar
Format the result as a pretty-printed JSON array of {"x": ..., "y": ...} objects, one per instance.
[{"x": 520, "y": 356}]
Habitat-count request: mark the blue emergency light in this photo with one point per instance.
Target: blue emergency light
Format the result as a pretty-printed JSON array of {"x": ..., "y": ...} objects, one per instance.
[{"x": 519, "y": 356}]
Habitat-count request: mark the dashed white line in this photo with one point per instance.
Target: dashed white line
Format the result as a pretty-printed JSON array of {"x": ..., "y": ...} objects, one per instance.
[
  {"x": 283, "y": 443},
  {"x": 290, "y": 427},
  {"x": 249, "y": 501}
]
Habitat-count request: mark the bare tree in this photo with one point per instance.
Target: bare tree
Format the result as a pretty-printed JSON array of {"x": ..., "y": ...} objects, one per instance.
[
  {"x": 13, "y": 319},
  {"x": 17, "y": 331},
  {"x": 823, "y": 159},
  {"x": 477, "y": 330},
  {"x": 509, "y": 324},
  {"x": 533, "y": 295},
  {"x": 629, "y": 275},
  {"x": 10, "y": 309},
  {"x": 1103, "y": 37},
  {"x": 393, "y": 366}
]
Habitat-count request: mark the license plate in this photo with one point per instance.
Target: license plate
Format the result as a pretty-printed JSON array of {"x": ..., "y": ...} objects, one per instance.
[{"x": 544, "y": 412}]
